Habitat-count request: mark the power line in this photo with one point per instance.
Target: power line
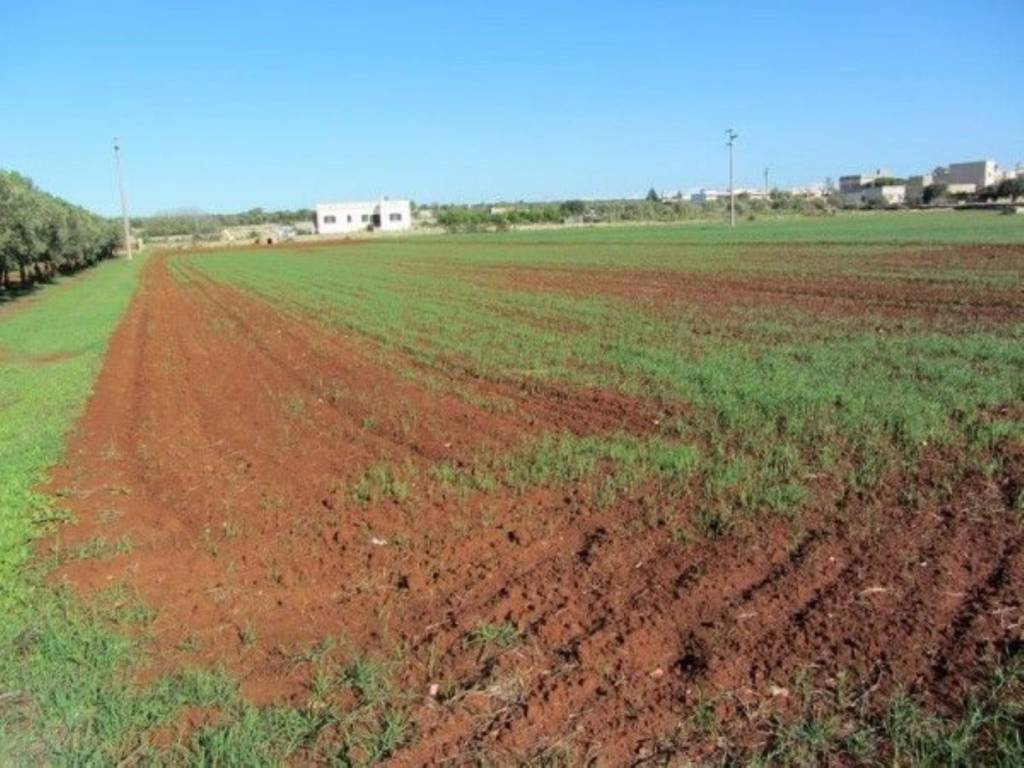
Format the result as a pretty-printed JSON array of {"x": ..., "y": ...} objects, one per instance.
[
  {"x": 731, "y": 137},
  {"x": 124, "y": 199}
]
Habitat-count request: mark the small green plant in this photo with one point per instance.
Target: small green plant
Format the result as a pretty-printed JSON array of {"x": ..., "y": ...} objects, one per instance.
[
  {"x": 295, "y": 406},
  {"x": 247, "y": 634},
  {"x": 384, "y": 482},
  {"x": 713, "y": 521},
  {"x": 313, "y": 653},
  {"x": 323, "y": 680},
  {"x": 190, "y": 644},
  {"x": 444, "y": 474},
  {"x": 121, "y": 605},
  {"x": 368, "y": 677},
  {"x": 501, "y": 635},
  {"x": 703, "y": 716},
  {"x": 109, "y": 515},
  {"x": 380, "y": 742},
  {"x": 96, "y": 548}
]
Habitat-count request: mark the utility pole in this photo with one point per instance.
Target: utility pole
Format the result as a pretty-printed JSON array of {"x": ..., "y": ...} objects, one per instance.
[
  {"x": 731, "y": 137},
  {"x": 766, "y": 182},
  {"x": 124, "y": 200}
]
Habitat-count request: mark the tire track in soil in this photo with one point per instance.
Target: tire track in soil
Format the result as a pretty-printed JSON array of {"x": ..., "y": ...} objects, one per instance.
[{"x": 190, "y": 429}]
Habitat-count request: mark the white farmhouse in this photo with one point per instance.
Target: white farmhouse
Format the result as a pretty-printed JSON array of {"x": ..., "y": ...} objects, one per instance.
[{"x": 342, "y": 218}]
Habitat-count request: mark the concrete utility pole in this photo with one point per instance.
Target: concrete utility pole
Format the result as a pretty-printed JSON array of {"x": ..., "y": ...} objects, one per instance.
[
  {"x": 766, "y": 182},
  {"x": 731, "y": 137},
  {"x": 124, "y": 200}
]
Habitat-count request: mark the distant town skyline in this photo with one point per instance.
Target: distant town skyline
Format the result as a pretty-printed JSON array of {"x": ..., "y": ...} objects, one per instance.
[{"x": 225, "y": 109}]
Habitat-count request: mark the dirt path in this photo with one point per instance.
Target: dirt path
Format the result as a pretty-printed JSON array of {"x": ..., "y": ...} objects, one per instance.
[{"x": 223, "y": 441}]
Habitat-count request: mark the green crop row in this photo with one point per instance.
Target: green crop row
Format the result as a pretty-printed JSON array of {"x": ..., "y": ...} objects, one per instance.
[{"x": 774, "y": 396}]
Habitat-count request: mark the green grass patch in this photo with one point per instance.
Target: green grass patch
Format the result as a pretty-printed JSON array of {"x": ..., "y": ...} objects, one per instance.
[
  {"x": 619, "y": 464},
  {"x": 497, "y": 635},
  {"x": 385, "y": 482},
  {"x": 68, "y": 325},
  {"x": 837, "y": 727}
]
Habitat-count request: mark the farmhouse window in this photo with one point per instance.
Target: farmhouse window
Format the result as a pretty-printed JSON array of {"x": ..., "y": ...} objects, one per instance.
[
  {"x": 329, "y": 219},
  {"x": 366, "y": 217},
  {"x": 395, "y": 217}
]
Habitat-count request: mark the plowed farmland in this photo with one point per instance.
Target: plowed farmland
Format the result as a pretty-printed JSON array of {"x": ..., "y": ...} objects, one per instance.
[{"x": 610, "y": 497}]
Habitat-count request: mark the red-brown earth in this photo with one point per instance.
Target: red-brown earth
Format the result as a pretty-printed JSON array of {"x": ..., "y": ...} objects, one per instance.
[
  {"x": 224, "y": 439},
  {"x": 897, "y": 293}
]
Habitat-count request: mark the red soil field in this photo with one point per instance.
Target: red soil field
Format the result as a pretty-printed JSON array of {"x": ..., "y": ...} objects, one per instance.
[
  {"x": 223, "y": 437},
  {"x": 939, "y": 303}
]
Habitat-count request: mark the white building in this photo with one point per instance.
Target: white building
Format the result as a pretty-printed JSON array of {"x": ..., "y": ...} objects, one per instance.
[
  {"x": 857, "y": 181},
  {"x": 872, "y": 188},
  {"x": 980, "y": 173},
  {"x": 342, "y": 218},
  {"x": 889, "y": 194},
  {"x": 707, "y": 196},
  {"x": 812, "y": 190},
  {"x": 711, "y": 195},
  {"x": 751, "y": 193}
]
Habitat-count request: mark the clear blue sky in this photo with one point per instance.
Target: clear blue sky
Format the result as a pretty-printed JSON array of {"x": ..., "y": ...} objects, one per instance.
[{"x": 226, "y": 106}]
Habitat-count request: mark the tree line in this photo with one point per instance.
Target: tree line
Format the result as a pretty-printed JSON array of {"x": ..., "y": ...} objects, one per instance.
[
  {"x": 201, "y": 225},
  {"x": 501, "y": 216},
  {"x": 41, "y": 235}
]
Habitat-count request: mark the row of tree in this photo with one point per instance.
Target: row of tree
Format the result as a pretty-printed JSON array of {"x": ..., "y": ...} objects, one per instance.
[
  {"x": 471, "y": 218},
  {"x": 41, "y": 235},
  {"x": 201, "y": 225}
]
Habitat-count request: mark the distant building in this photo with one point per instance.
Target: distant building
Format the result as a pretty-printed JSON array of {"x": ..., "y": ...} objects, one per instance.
[
  {"x": 961, "y": 189},
  {"x": 916, "y": 186},
  {"x": 956, "y": 179},
  {"x": 814, "y": 190},
  {"x": 711, "y": 195},
  {"x": 967, "y": 178},
  {"x": 871, "y": 188},
  {"x": 383, "y": 215},
  {"x": 980, "y": 173},
  {"x": 858, "y": 181},
  {"x": 707, "y": 196},
  {"x": 888, "y": 194},
  {"x": 751, "y": 193},
  {"x": 853, "y": 182}
]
